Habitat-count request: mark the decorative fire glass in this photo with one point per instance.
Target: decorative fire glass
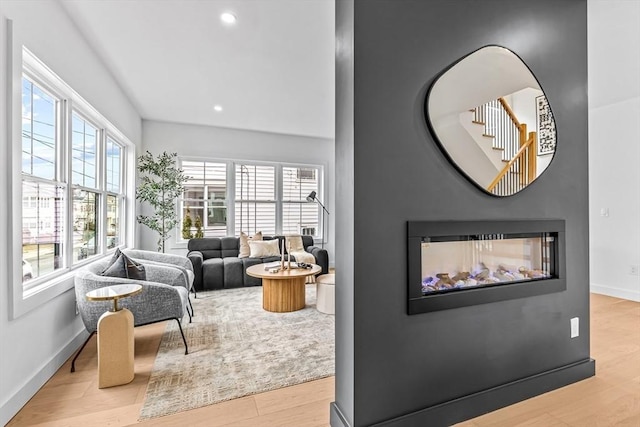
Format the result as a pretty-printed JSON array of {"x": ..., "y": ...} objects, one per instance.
[{"x": 451, "y": 263}]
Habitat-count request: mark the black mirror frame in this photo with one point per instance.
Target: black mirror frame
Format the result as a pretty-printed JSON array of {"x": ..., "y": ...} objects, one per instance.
[{"x": 442, "y": 147}]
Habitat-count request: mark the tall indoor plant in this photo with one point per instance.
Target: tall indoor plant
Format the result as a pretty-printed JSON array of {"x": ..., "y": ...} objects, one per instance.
[{"x": 161, "y": 183}]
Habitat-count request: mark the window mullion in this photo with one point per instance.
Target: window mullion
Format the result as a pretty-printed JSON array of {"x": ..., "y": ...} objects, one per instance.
[
  {"x": 101, "y": 181},
  {"x": 231, "y": 198},
  {"x": 205, "y": 203},
  {"x": 65, "y": 155},
  {"x": 279, "y": 194}
]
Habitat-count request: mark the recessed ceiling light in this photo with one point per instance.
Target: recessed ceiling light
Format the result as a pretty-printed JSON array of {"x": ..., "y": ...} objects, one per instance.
[
  {"x": 218, "y": 108},
  {"x": 228, "y": 18}
]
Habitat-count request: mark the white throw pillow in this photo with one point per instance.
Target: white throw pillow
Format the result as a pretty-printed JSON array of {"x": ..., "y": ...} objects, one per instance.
[
  {"x": 244, "y": 250},
  {"x": 264, "y": 248},
  {"x": 294, "y": 243}
]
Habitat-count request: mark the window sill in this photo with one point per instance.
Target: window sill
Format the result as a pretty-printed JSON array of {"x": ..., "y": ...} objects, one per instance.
[{"x": 27, "y": 300}]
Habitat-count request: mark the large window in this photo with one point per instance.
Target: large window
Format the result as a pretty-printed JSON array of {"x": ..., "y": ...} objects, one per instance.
[
  {"x": 39, "y": 131},
  {"x": 43, "y": 192},
  {"x": 72, "y": 165},
  {"x": 255, "y": 205},
  {"x": 84, "y": 141},
  {"x": 226, "y": 198},
  {"x": 115, "y": 196},
  {"x": 42, "y": 228},
  {"x": 204, "y": 204},
  {"x": 298, "y": 215}
]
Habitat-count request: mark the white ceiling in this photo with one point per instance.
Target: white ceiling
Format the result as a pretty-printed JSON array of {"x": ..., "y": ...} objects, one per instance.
[{"x": 273, "y": 71}]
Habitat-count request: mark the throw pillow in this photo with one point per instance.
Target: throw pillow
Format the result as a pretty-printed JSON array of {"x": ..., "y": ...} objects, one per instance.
[
  {"x": 135, "y": 270},
  {"x": 112, "y": 261},
  {"x": 125, "y": 267},
  {"x": 244, "y": 249},
  {"x": 264, "y": 248},
  {"x": 294, "y": 243},
  {"x": 114, "y": 258}
]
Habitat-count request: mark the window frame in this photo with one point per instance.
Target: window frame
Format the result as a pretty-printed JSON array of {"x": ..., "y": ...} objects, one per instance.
[
  {"x": 120, "y": 194},
  {"x": 207, "y": 188},
  {"x": 231, "y": 199},
  {"x": 40, "y": 290},
  {"x": 318, "y": 236},
  {"x": 257, "y": 201}
]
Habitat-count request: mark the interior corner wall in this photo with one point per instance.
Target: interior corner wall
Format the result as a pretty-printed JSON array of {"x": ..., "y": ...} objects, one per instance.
[
  {"x": 614, "y": 148},
  {"x": 209, "y": 142},
  {"x": 409, "y": 370},
  {"x": 34, "y": 345}
]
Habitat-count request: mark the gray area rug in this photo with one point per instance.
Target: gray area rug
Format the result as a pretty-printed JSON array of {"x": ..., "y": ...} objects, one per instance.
[{"x": 236, "y": 349}]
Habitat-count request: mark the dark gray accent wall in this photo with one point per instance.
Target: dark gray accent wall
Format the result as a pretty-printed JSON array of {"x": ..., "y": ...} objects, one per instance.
[{"x": 400, "y": 364}]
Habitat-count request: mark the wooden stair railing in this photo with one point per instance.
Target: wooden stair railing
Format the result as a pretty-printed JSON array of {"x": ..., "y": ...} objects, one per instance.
[
  {"x": 518, "y": 172},
  {"x": 510, "y": 136}
]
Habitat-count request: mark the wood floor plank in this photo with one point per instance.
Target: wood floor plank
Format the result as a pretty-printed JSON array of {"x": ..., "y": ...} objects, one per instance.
[
  {"x": 544, "y": 420},
  {"x": 615, "y": 335},
  {"x": 609, "y": 399},
  {"x": 600, "y": 409},
  {"x": 290, "y": 397},
  {"x": 60, "y": 392},
  {"x": 121, "y": 415},
  {"x": 314, "y": 414},
  {"x": 217, "y": 415},
  {"x": 539, "y": 405}
]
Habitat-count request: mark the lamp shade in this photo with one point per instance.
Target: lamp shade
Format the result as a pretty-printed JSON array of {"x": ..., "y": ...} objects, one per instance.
[{"x": 311, "y": 197}]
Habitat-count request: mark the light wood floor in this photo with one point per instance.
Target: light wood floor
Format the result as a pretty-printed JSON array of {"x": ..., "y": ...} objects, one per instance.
[{"x": 612, "y": 398}]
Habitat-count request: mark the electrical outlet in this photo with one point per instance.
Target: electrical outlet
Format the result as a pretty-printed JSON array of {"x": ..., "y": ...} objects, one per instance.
[
  {"x": 634, "y": 270},
  {"x": 575, "y": 327},
  {"x": 604, "y": 212}
]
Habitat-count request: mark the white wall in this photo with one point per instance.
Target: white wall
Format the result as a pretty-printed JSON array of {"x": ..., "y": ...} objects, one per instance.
[
  {"x": 614, "y": 146},
  {"x": 223, "y": 143},
  {"x": 523, "y": 104},
  {"x": 34, "y": 345}
]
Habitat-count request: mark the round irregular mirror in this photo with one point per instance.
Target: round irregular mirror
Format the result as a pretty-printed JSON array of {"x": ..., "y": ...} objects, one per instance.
[{"x": 492, "y": 120}]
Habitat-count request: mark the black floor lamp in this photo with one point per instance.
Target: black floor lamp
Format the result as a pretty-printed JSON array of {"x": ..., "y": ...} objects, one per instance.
[{"x": 312, "y": 198}]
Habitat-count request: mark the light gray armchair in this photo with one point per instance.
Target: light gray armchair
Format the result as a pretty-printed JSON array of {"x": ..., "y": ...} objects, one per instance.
[
  {"x": 181, "y": 262},
  {"x": 164, "y": 296}
]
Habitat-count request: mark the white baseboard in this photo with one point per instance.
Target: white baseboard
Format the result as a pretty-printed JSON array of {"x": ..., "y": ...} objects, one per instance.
[
  {"x": 14, "y": 403},
  {"x": 616, "y": 292}
]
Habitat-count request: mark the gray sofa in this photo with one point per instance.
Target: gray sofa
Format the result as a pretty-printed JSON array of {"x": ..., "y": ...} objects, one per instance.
[{"x": 216, "y": 264}]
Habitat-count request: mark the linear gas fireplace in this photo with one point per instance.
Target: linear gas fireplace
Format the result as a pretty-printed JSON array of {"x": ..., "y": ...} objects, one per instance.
[{"x": 462, "y": 263}]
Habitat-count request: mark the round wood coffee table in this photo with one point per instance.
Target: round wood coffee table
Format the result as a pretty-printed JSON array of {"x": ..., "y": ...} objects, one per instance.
[{"x": 283, "y": 291}]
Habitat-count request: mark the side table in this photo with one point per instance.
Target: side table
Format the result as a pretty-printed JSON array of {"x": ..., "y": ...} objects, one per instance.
[{"x": 115, "y": 336}]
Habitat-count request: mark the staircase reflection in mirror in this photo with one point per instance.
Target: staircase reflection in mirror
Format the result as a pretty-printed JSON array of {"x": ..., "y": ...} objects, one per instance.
[{"x": 492, "y": 120}]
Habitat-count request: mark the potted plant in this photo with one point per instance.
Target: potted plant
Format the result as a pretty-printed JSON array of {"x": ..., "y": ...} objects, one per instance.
[
  {"x": 198, "y": 225},
  {"x": 186, "y": 226},
  {"x": 161, "y": 183}
]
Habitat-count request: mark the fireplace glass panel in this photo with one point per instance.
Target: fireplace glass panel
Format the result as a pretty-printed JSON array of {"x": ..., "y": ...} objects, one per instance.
[{"x": 452, "y": 263}]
